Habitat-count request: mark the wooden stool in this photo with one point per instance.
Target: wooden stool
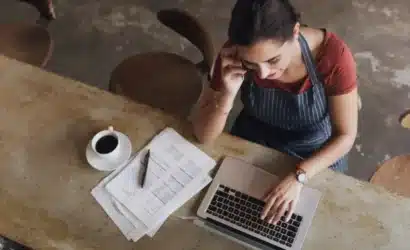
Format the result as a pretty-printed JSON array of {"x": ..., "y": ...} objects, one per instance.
[
  {"x": 405, "y": 119},
  {"x": 165, "y": 80},
  {"x": 44, "y": 7},
  {"x": 394, "y": 175},
  {"x": 29, "y": 43},
  {"x": 159, "y": 79}
]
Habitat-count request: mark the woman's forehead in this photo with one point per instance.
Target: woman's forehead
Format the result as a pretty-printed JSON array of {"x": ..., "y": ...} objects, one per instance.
[{"x": 261, "y": 51}]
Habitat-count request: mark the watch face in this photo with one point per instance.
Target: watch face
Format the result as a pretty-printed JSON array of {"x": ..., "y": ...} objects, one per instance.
[{"x": 301, "y": 177}]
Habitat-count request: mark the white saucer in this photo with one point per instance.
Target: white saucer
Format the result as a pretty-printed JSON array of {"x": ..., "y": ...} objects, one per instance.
[{"x": 102, "y": 164}]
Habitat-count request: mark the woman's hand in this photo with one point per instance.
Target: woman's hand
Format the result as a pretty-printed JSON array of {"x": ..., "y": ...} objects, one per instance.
[
  {"x": 232, "y": 72},
  {"x": 281, "y": 198}
]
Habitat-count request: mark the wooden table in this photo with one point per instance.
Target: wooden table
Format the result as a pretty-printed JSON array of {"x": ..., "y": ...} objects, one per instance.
[{"x": 45, "y": 182}]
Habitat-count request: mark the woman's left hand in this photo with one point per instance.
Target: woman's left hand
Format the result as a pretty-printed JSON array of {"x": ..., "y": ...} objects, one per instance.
[{"x": 281, "y": 198}]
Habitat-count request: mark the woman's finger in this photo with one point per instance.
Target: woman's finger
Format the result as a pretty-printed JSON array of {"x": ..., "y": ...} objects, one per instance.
[
  {"x": 280, "y": 212},
  {"x": 275, "y": 209},
  {"x": 267, "y": 194},
  {"x": 230, "y": 51},
  {"x": 234, "y": 67},
  {"x": 226, "y": 62},
  {"x": 234, "y": 71},
  {"x": 268, "y": 206},
  {"x": 291, "y": 210}
]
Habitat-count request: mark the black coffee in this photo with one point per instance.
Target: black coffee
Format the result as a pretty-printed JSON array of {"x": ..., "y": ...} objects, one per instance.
[{"x": 106, "y": 144}]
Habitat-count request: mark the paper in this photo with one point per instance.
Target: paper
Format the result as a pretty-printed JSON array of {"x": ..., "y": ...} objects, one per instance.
[
  {"x": 178, "y": 203},
  {"x": 139, "y": 226},
  {"x": 104, "y": 198},
  {"x": 129, "y": 225},
  {"x": 175, "y": 170},
  {"x": 203, "y": 183}
]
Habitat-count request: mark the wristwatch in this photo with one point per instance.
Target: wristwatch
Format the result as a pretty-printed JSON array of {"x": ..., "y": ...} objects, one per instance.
[{"x": 301, "y": 176}]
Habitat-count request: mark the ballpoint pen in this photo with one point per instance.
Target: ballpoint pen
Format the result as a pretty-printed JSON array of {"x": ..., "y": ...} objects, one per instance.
[{"x": 145, "y": 168}]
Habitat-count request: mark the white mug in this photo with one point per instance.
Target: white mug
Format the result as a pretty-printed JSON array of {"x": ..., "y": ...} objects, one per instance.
[{"x": 106, "y": 144}]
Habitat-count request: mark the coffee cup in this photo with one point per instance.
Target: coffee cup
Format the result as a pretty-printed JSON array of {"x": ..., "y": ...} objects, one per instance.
[{"x": 106, "y": 144}]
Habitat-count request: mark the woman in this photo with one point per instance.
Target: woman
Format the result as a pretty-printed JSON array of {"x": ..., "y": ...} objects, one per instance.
[{"x": 298, "y": 87}]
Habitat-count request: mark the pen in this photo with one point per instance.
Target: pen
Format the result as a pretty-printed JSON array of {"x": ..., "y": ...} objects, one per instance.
[{"x": 144, "y": 173}]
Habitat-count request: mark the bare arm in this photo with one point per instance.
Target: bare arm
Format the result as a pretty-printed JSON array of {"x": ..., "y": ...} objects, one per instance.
[
  {"x": 213, "y": 107},
  {"x": 344, "y": 116},
  {"x": 210, "y": 116}
]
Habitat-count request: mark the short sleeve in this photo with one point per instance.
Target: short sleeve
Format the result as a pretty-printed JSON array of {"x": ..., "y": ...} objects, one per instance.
[{"x": 342, "y": 78}]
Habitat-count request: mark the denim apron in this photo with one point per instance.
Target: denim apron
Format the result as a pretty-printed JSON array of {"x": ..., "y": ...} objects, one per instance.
[{"x": 296, "y": 124}]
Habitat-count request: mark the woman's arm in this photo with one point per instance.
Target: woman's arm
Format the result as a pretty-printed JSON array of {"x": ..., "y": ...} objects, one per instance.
[
  {"x": 341, "y": 89},
  {"x": 344, "y": 115},
  {"x": 214, "y": 104},
  {"x": 209, "y": 117}
]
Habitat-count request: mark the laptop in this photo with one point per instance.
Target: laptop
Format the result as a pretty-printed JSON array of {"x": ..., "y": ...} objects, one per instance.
[{"x": 232, "y": 207}]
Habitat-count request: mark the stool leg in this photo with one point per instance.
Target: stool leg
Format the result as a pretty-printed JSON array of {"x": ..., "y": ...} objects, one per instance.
[
  {"x": 44, "y": 7},
  {"x": 359, "y": 102}
]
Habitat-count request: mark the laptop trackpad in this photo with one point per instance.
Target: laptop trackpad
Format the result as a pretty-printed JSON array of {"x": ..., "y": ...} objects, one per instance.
[{"x": 245, "y": 178}]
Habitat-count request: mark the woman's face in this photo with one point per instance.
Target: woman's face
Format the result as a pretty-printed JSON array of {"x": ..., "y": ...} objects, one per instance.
[{"x": 268, "y": 58}]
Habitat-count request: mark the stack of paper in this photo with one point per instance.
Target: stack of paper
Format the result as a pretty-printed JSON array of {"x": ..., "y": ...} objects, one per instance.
[{"x": 177, "y": 170}]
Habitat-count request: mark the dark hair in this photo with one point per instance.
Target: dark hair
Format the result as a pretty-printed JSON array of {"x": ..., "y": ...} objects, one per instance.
[{"x": 254, "y": 20}]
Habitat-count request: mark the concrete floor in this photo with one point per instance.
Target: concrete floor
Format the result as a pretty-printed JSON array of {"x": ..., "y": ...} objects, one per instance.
[{"x": 91, "y": 37}]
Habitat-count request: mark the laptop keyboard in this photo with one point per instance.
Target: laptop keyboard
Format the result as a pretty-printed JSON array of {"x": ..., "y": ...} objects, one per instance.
[{"x": 245, "y": 211}]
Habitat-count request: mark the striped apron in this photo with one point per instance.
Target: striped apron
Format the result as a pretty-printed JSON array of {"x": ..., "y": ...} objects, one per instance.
[{"x": 296, "y": 124}]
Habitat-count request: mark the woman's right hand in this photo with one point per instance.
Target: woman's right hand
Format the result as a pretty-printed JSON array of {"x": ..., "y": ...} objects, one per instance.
[
  {"x": 232, "y": 72},
  {"x": 215, "y": 103}
]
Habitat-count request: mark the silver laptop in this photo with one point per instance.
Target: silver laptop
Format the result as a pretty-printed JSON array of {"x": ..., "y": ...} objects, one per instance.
[{"x": 232, "y": 207}]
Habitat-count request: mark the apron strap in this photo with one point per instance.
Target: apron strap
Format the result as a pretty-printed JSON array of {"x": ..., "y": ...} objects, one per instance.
[{"x": 309, "y": 61}]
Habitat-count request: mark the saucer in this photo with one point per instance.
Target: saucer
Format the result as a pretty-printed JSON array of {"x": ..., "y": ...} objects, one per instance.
[{"x": 102, "y": 164}]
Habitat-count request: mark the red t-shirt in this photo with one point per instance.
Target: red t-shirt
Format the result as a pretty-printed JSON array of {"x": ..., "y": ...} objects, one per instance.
[{"x": 334, "y": 61}]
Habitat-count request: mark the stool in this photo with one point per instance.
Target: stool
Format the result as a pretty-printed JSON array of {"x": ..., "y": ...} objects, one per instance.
[
  {"x": 405, "y": 119},
  {"x": 29, "y": 43},
  {"x": 165, "y": 80},
  {"x": 394, "y": 175}
]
